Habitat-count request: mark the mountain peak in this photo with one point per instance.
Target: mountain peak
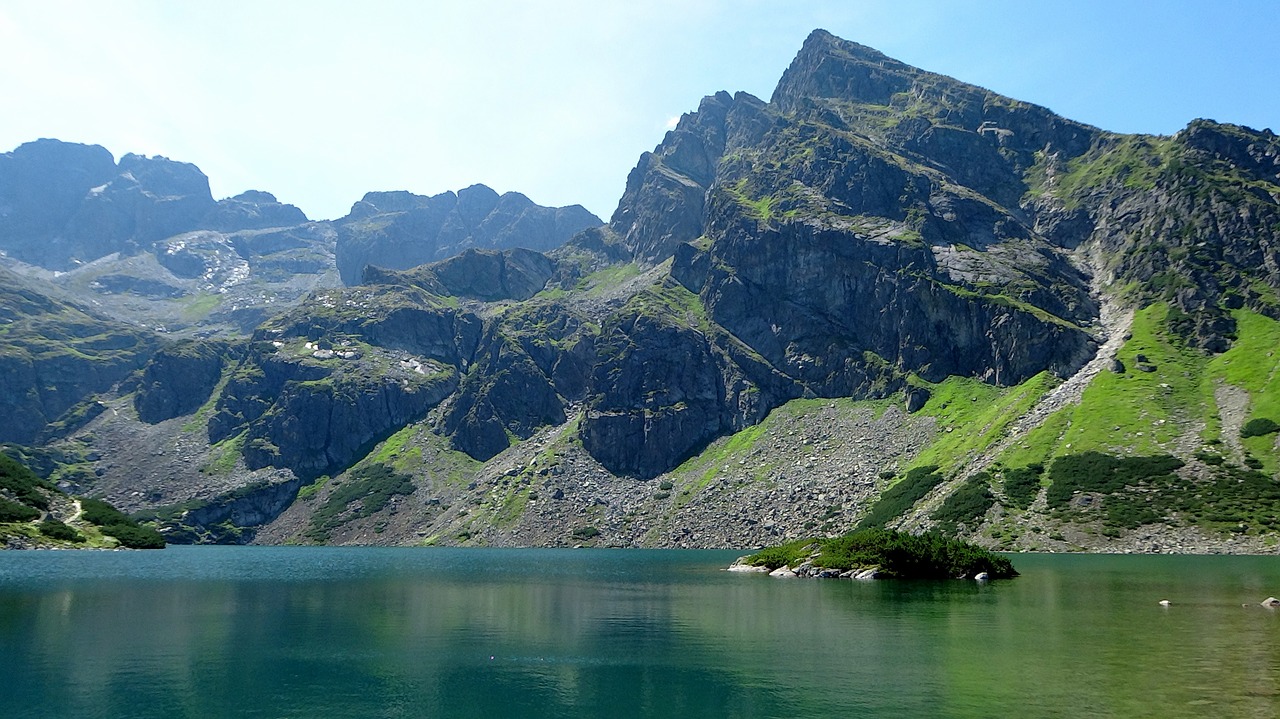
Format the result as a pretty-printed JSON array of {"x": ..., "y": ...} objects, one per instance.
[{"x": 828, "y": 66}]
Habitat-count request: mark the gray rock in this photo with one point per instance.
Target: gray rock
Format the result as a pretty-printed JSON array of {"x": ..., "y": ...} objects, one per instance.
[
  {"x": 740, "y": 565},
  {"x": 400, "y": 230},
  {"x": 916, "y": 398}
]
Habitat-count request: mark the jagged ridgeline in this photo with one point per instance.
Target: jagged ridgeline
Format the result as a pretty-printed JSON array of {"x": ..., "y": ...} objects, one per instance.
[{"x": 881, "y": 298}]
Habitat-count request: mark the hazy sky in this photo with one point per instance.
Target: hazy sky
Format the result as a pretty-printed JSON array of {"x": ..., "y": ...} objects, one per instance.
[{"x": 319, "y": 102}]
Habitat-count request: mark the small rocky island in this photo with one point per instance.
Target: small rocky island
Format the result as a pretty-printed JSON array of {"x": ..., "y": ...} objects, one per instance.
[{"x": 879, "y": 554}]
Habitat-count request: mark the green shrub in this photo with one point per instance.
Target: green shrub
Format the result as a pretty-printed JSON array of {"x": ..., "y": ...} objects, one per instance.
[
  {"x": 24, "y": 484},
  {"x": 1259, "y": 426},
  {"x": 968, "y": 503},
  {"x": 784, "y": 555},
  {"x": 101, "y": 513},
  {"x": 1022, "y": 484},
  {"x": 135, "y": 537},
  {"x": 1210, "y": 458},
  {"x": 1104, "y": 473},
  {"x": 901, "y": 496},
  {"x": 54, "y": 529},
  {"x": 586, "y": 532},
  {"x": 372, "y": 485},
  {"x": 14, "y": 512},
  {"x": 119, "y": 525}
]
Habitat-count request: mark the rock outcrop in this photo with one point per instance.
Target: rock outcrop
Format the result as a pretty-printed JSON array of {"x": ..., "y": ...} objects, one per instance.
[
  {"x": 400, "y": 230},
  {"x": 486, "y": 275},
  {"x": 178, "y": 379}
]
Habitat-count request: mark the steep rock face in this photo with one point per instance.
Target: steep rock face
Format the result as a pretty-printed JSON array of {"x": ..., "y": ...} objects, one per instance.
[
  {"x": 42, "y": 184},
  {"x": 232, "y": 518},
  {"x": 399, "y": 230},
  {"x": 315, "y": 411},
  {"x": 530, "y": 364},
  {"x": 178, "y": 379},
  {"x": 252, "y": 210},
  {"x": 814, "y": 298},
  {"x": 666, "y": 381},
  {"x": 150, "y": 199},
  {"x": 660, "y": 396},
  {"x": 53, "y": 355},
  {"x": 862, "y": 227},
  {"x": 664, "y": 201},
  {"x": 1190, "y": 219},
  {"x": 346, "y": 368},
  {"x": 317, "y": 426},
  {"x": 485, "y": 275}
]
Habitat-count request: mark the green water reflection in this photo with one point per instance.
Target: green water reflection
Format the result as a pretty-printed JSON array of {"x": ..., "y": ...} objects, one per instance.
[{"x": 320, "y": 632}]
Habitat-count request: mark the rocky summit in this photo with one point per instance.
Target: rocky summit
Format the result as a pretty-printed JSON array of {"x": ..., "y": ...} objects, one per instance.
[{"x": 881, "y": 298}]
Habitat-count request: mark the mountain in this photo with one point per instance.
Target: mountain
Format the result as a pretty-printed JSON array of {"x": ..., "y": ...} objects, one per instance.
[
  {"x": 114, "y": 258},
  {"x": 881, "y": 298},
  {"x": 65, "y": 204},
  {"x": 400, "y": 230}
]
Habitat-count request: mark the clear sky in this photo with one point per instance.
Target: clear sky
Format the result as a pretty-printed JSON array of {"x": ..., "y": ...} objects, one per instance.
[{"x": 319, "y": 101}]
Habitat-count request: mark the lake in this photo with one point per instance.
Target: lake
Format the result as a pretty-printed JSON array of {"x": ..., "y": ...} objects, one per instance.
[{"x": 364, "y": 632}]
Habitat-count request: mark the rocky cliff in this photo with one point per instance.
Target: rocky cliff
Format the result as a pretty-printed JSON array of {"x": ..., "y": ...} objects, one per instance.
[{"x": 54, "y": 355}]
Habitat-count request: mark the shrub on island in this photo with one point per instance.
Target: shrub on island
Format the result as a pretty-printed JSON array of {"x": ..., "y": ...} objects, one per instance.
[{"x": 893, "y": 554}]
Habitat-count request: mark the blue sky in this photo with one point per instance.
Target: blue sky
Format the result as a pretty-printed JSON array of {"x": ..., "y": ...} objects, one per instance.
[{"x": 319, "y": 102}]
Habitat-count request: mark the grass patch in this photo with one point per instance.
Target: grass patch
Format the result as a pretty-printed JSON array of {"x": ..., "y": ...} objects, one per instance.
[
  {"x": 1134, "y": 413},
  {"x": 981, "y": 414},
  {"x": 308, "y": 492},
  {"x": 224, "y": 456},
  {"x": 198, "y": 307}
]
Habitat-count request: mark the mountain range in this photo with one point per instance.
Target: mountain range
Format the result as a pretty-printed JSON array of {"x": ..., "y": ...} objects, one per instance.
[{"x": 883, "y": 297}]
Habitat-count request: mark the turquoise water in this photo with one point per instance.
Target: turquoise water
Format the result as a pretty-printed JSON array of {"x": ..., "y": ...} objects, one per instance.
[{"x": 361, "y": 632}]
